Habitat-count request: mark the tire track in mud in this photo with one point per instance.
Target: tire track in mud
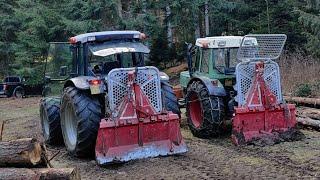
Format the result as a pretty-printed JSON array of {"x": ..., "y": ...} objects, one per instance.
[
  {"x": 227, "y": 162},
  {"x": 278, "y": 160},
  {"x": 206, "y": 159}
]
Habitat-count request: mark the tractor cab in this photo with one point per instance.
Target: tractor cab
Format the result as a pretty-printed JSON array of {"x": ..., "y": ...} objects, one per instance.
[
  {"x": 213, "y": 58},
  {"x": 92, "y": 56},
  {"x": 100, "y": 52}
]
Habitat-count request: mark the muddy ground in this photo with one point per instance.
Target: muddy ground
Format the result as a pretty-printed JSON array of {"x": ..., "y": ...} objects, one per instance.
[{"x": 207, "y": 159}]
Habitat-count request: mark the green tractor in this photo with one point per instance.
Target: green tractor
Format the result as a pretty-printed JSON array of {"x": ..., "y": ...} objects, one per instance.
[{"x": 208, "y": 84}]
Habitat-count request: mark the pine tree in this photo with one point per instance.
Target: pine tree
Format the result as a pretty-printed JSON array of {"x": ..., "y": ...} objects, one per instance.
[{"x": 310, "y": 18}]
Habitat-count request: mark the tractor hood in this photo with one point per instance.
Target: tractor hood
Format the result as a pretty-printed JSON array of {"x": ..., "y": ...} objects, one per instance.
[{"x": 110, "y": 48}]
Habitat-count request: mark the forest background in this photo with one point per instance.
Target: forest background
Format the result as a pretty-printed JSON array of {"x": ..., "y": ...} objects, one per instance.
[{"x": 27, "y": 26}]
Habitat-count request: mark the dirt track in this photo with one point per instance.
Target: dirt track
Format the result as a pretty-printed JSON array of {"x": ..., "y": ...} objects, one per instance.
[{"x": 206, "y": 159}]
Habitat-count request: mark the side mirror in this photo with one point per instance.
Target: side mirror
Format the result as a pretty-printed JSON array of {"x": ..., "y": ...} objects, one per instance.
[{"x": 63, "y": 71}]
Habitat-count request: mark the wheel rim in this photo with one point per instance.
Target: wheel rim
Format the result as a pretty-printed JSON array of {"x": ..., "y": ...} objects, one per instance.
[
  {"x": 195, "y": 110},
  {"x": 19, "y": 94},
  {"x": 70, "y": 126},
  {"x": 45, "y": 123}
]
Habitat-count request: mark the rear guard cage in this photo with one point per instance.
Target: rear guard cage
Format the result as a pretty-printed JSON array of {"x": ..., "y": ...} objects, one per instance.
[
  {"x": 147, "y": 78},
  {"x": 256, "y": 48},
  {"x": 244, "y": 76}
]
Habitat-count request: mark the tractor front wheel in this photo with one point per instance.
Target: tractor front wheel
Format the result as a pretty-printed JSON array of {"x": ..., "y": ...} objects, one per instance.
[
  {"x": 50, "y": 120},
  {"x": 205, "y": 113},
  {"x": 169, "y": 99},
  {"x": 80, "y": 118}
]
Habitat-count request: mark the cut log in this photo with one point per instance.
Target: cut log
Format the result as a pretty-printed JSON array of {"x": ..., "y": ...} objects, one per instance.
[
  {"x": 18, "y": 173},
  {"x": 21, "y": 153},
  {"x": 309, "y": 122},
  {"x": 58, "y": 173},
  {"x": 309, "y": 112},
  {"x": 314, "y": 102},
  {"x": 41, "y": 173}
]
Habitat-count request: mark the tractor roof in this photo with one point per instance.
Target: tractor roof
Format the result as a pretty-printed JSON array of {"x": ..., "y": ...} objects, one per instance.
[
  {"x": 219, "y": 42},
  {"x": 106, "y": 36}
]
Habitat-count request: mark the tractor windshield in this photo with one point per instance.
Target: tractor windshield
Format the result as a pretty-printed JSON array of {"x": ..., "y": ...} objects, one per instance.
[
  {"x": 107, "y": 56},
  {"x": 225, "y": 59}
]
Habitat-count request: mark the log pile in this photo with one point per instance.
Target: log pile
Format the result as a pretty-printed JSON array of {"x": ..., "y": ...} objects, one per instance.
[
  {"x": 27, "y": 159},
  {"x": 310, "y": 102},
  {"x": 309, "y": 117}
]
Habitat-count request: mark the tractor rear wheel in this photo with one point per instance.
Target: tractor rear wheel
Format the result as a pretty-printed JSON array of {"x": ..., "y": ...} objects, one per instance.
[
  {"x": 205, "y": 113},
  {"x": 50, "y": 120},
  {"x": 169, "y": 99},
  {"x": 80, "y": 118}
]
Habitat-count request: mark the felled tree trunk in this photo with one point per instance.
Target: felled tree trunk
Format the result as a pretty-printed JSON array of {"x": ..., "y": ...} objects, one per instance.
[
  {"x": 309, "y": 112},
  {"x": 21, "y": 153},
  {"x": 314, "y": 102},
  {"x": 40, "y": 173},
  {"x": 309, "y": 122}
]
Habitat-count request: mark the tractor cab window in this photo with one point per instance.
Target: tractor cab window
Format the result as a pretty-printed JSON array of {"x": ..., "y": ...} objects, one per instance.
[
  {"x": 59, "y": 61},
  {"x": 225, "y": 60},
  {"x": 196, "y": 61},
  {"x": 107, "y": 56},
  {"x": 103, "y": 65},
  {"x": 205, "y": 60}
]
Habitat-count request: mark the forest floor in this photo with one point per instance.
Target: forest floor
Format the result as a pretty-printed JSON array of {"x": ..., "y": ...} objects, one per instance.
[{"x": 206, "y": 159}]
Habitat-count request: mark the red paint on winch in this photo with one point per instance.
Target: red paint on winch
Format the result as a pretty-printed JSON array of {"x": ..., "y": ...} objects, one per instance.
[
  {"x": 262, "y": 114},
  {"x": 138, "y": 131}
]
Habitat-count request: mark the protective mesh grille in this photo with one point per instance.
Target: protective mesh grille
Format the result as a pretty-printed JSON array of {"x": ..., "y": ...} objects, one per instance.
[
  {"x": 244, "y": 75},
  {"x": 148, "y": 80},
  {"x": 261, "y": 47}
]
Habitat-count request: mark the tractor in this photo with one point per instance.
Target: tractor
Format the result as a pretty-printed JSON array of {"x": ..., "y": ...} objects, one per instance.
[
  {"x": 110, "y": 103},
  {"x": 236, "y": 78}
]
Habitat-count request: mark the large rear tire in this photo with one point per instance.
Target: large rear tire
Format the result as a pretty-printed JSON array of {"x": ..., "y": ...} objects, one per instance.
[
  {"x": 80, "y": 118},
  {"x": 205, "y": 113},
  {"x": 50, "y": 120},
  {"x": 169, "y": 99}
]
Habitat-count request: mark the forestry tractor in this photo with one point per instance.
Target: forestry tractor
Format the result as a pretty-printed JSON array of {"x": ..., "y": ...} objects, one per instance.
[
  {"x": 234, "y": 77},
  {"x": 111, "y": 103}
]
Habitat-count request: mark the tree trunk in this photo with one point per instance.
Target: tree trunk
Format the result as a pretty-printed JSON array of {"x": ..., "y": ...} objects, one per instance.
[
  {"x": 42, "y": 173},
  {"x": 309, "y": 112},
  {"x": 58, "y": 173},
  {"x": 206, "y": 17},
  {"x": 21, "y": 153},
  {"x": 309, "y": 122},
  {"x": 119, "y": 8},
  {"x": 314, "y": 102},
  {"x": 197, "y": 26},
  {"x": 169, "y": 26}
]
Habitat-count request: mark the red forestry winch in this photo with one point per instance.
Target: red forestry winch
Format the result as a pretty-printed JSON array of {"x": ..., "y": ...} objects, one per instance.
[
  {"x": 261, "y": 115},
  {"x": 139, "y": 127},
  {"x": 261, "y": 112}
]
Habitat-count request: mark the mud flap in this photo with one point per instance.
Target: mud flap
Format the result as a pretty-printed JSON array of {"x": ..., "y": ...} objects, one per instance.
[{"x": 129, "y": 139}]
